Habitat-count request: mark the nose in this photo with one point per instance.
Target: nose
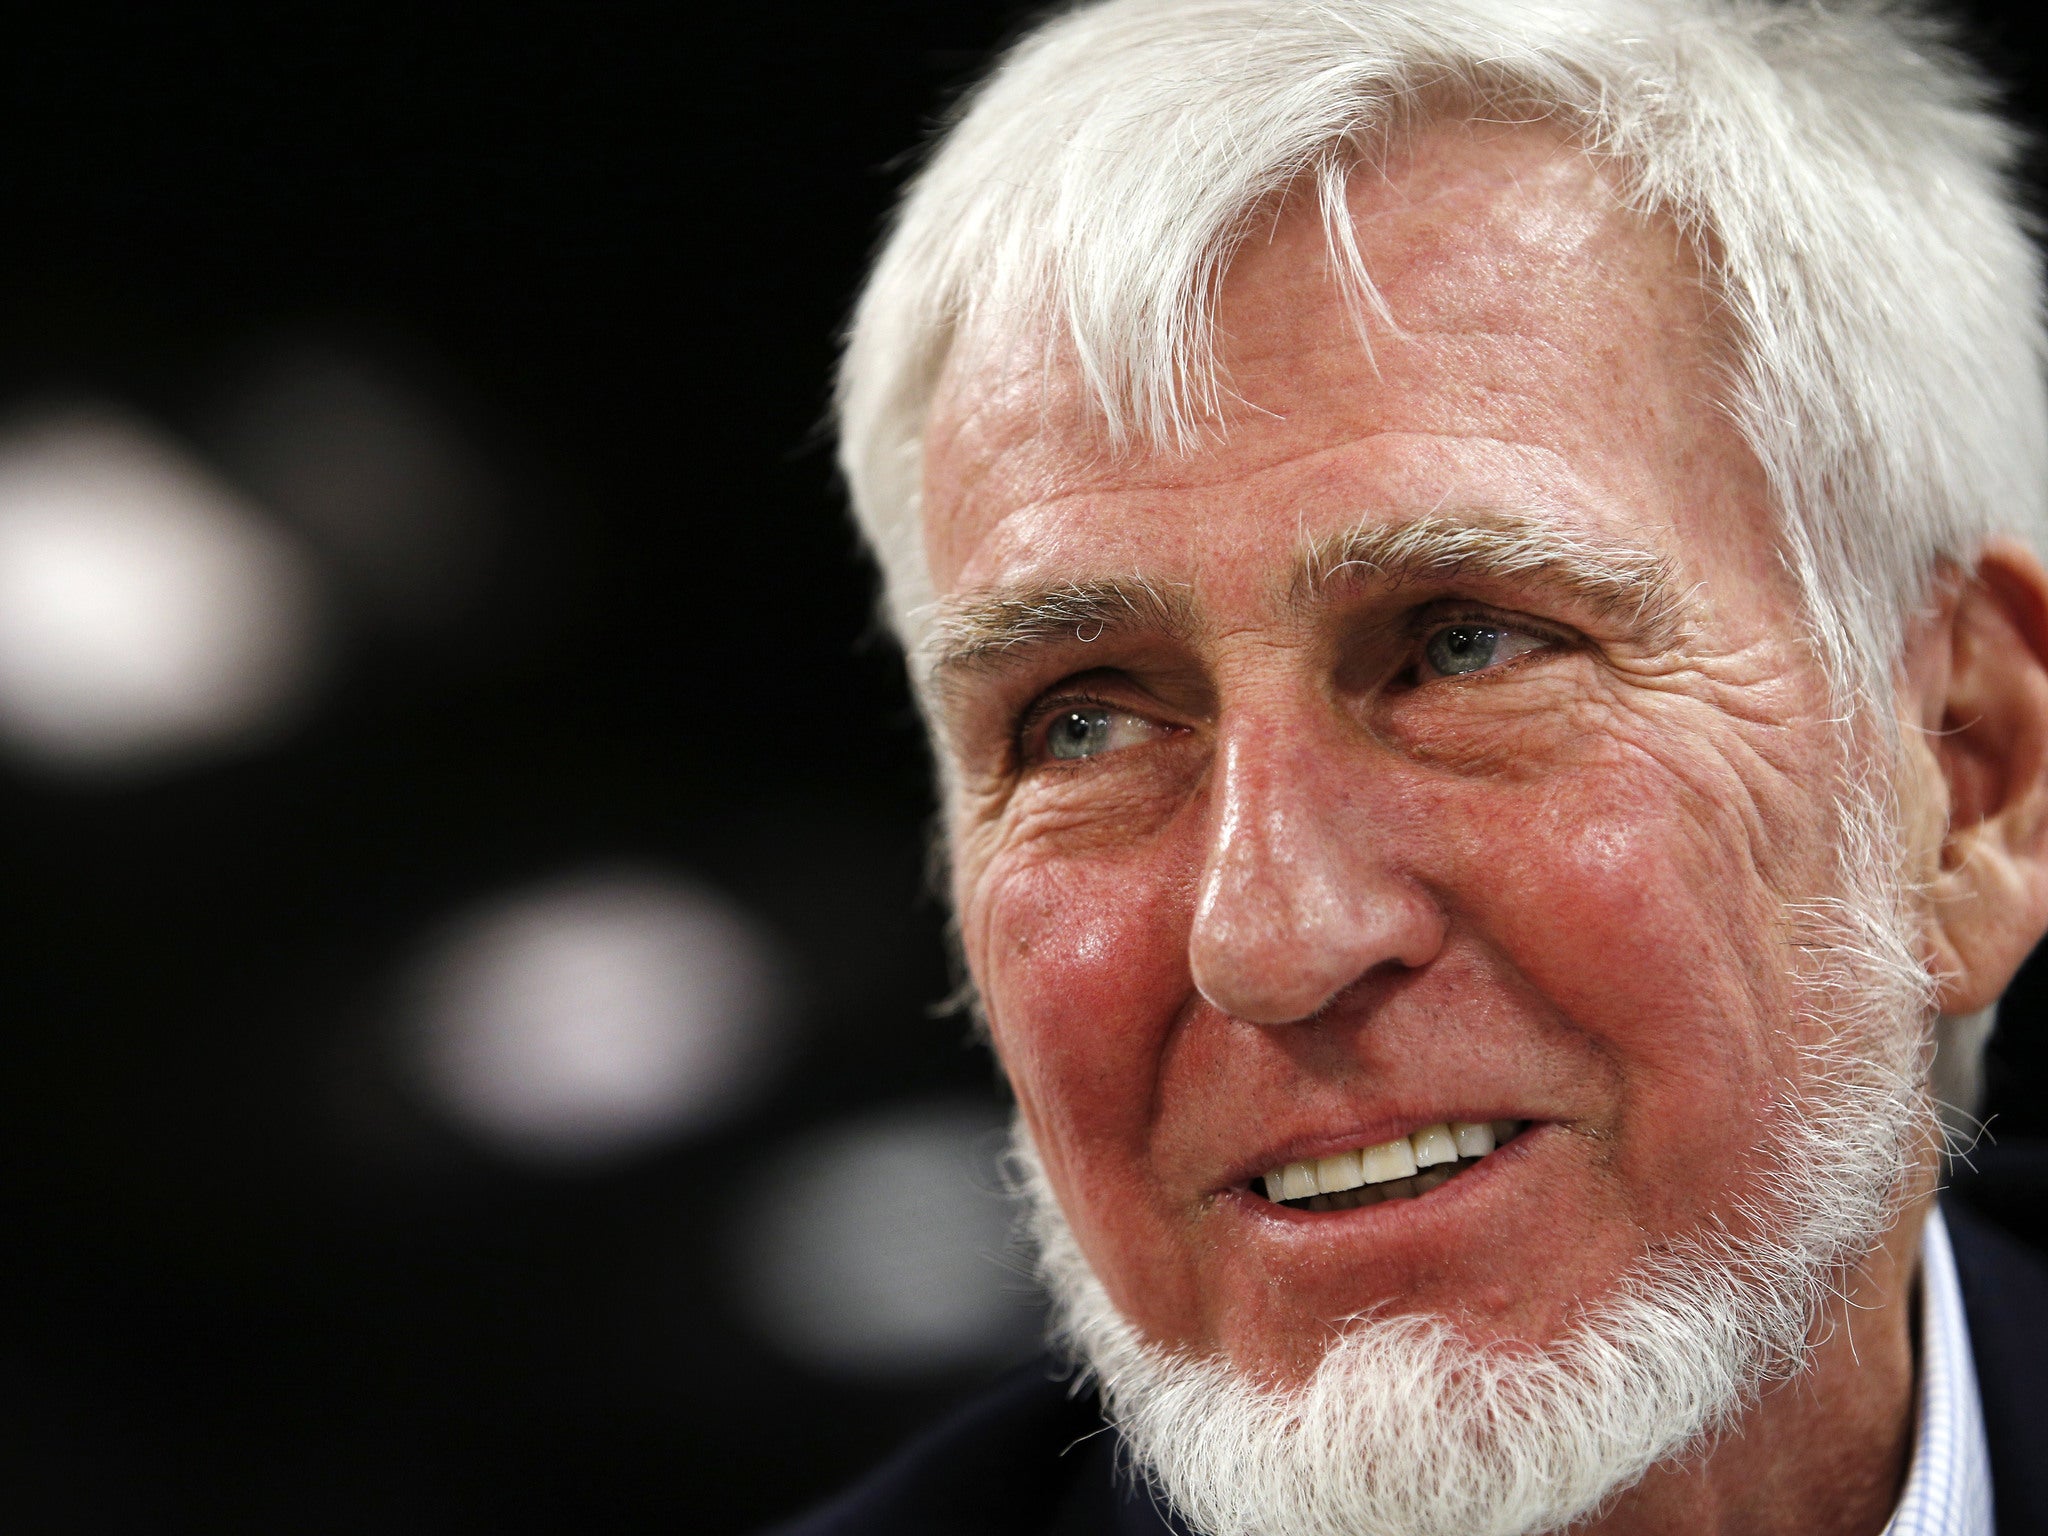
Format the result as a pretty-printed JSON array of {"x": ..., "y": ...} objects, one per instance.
[{"x": 1299, "y": 898}]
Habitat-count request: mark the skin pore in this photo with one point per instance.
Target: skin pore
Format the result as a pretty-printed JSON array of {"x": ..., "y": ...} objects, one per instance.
[{"x": 1275, "y": 835}]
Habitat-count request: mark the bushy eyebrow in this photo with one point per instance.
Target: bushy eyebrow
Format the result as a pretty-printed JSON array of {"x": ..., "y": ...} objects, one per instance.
[
  {"x": 1633, "y": 587},
  {"x": 981, "y": 633}
]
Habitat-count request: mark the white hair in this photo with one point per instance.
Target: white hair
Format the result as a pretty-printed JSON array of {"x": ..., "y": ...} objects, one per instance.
[{"x": 1837, "y": 168}]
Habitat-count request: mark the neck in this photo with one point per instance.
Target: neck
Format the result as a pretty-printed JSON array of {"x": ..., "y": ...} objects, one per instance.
[{"x": 1823, "y": 1454}]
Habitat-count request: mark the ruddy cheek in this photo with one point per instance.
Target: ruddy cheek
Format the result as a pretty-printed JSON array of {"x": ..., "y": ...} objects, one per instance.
[
  {"x": 1603, "y": 879},
  {"x": 1085, "y": 969},
  {"x": 1649, "y": 935}
]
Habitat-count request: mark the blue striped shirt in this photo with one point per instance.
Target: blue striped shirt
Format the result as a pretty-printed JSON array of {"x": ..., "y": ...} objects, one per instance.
[{"x": 1948, "y": 1482}]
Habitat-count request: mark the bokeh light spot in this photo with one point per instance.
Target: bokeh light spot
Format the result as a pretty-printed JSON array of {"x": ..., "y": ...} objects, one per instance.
[
  {"x": 147, "y": 614},
  {"x": 880, "y": 1248},
  {"x": 598, "y": 1014}
]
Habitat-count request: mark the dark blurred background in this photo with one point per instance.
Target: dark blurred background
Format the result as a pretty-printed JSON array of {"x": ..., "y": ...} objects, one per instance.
[{"x": 470, "y": 1060}]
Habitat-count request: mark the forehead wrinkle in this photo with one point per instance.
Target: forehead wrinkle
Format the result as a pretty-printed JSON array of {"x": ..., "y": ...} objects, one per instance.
[
  {"x": 989, "y": 631},
  {"x": 1634, "y": 585}
]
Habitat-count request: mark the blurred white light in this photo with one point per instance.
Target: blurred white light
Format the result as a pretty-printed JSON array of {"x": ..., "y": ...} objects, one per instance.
[
  {"x": 146, "y": 613},
  {"x": 598, "y": 1014},
  {"x": 880, "y": 1248}
]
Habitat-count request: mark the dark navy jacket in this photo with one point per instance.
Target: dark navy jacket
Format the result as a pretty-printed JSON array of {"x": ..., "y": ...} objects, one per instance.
[{"x": 1028, "y": 1459}]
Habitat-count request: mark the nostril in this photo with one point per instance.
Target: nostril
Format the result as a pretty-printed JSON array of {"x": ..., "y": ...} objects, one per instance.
[
  {"x": 1267, "y": 967},
  {"x": 1275, "y": 986},
  {"x": 1288, "y": 997}
]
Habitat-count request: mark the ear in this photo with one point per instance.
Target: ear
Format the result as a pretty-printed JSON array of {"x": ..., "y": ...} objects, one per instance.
[{"x": 1975, "y": 683}]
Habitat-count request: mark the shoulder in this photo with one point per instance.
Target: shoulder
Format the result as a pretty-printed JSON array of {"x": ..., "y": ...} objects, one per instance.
[
  {"x": 2005, "y": 1297},
  {"x": 1028, "y": 1458}
]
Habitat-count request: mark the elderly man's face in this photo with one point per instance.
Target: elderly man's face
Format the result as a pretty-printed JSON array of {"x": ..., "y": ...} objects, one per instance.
[{"x": 1286, "y": 837}]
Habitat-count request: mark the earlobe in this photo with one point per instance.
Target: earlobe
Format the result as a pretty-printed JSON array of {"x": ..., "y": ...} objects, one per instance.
[{"x": 1981, "y": 676}]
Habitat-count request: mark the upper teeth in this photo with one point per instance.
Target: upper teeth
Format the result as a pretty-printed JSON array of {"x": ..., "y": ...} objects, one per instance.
[{"x": 1396, "y": 1159}]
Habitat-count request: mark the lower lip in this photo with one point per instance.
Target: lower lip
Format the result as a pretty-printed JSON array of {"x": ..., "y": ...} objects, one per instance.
[{"x": 1502, "y": 1159}]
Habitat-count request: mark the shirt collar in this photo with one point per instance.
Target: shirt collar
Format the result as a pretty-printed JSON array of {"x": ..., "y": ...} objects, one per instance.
[{"x": 1948, "y": 1482}]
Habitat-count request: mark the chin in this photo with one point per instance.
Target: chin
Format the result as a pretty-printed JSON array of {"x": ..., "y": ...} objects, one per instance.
[{"x": 1404, "y": 1423}]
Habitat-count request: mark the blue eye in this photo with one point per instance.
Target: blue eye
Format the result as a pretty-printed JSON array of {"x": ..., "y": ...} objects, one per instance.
[
  {"x": 1089, "y": 730},
  {"x": 1462, "y": 648},
  {"x": 1078, "y": 733},
  {"x": 1457, "y": 650}
]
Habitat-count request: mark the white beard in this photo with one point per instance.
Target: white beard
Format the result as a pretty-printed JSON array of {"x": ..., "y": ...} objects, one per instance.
[{"x": 1408, "y": 1429}]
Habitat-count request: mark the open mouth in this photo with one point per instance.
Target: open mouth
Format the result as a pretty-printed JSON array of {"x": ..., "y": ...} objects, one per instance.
[{"x": 1399, "y": 1169}]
